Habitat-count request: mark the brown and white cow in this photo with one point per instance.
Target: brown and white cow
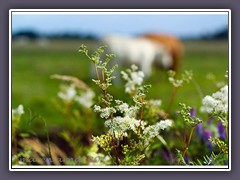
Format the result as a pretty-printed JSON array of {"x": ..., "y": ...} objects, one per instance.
[
  {"x": 141, "y": 51},
  {"x": 173, "y": 45}
]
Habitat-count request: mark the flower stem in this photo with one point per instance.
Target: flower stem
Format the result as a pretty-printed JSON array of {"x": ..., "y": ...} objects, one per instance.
[
  {"x": 96, "y": 71},
  {"x": 189, "y": 140},
  {"x": 141, "y": 115},
  {"x": 226, "y": 131},
  {"x": 103, "y": 76},
  {"x": 172, "y": 99}
]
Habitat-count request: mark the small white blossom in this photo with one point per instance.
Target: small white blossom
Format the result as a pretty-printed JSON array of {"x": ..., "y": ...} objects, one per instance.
[
  {"x": 69, "y": 94},
  {"x": 226, "y": 75},
  {"x": 123, "y": 107},
  {"x": 126, "y": 110},
  {"x": 134, "y": 79},
  {"x": 124, "y": 76},
  {"x": 155, "y": 103},
  {"x": 220, "y": 84},
  {"x": 106, "y": 112},
  {"x": 86, "y": 98},
  {"x": 132, "y": 111},
  {"x": 96, "y": 108},
  {"x": 218, "y": 102},
  {"x": 119, "y": 126},
  {"x": 165, "y": 124},
  {"x": 96, "y": 158},
  {"x": 210, "y": 76},
  {"x": 175, "y": 82},
  {"x": 18, "y": 111},
  {"x": 137, "y": 77},
  {"x": 118, "y": 101},
  {"x": 134, "y": 67},
  {"x": 153, "y": 130}
]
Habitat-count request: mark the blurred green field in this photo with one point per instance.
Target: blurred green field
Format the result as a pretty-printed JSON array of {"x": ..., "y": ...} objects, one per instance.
[{"x": 32, "y": 66}]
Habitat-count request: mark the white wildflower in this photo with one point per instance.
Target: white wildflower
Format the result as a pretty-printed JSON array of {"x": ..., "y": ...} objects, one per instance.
[
  {"x": 134, "y": 79},
  {"x": 96, "y": 158},
  {"x": 96, "y": 108},
  {"x": 119, "y": 126},
  {"x": 99, "y": 159},
  {"x": 165, "y": 124},
  {"x": 218, "y": 102},
  {"x": 123, "y": 107},
  {"x": 68, "y": 94},
  {"x": 226, "y": 75},
  {"x": 155, "y": 103},
  {"x": 86, "y": 98},
  {"x": 210, "y": 76},
  {"x": 152, "y": 131},
  {"x": 132, "y": 111},
  {"x": 220, "y": 84},
  {"x": 137, "y": 77},
  {"x": 106, "y": 112},
  {"x": 18, "y": 111},
  {"x": 124, "y": 76},
  {"x": 175, "y": 82},
  {"x": 134, "y": 67},
  {"x": 118, "y": 101}
]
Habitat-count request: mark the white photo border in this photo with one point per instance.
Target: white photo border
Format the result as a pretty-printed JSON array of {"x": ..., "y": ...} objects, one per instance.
[{"x": 120, "y": 12}]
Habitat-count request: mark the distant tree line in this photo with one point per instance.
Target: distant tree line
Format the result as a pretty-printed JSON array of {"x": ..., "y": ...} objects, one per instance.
[
  {"x": 30, "y": 34},
  {"x": 219, "y": 35}
]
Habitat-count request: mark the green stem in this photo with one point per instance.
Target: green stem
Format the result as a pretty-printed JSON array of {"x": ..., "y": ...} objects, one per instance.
[
  {"x": 141, "y": 116},
  {"x": 189, "y": 140},
  {"x": 172, "y": 98},
  {"x": 48, "y": 139},
  {"x": 199, "y": 90},
  {"x": 96, "y": 71}
]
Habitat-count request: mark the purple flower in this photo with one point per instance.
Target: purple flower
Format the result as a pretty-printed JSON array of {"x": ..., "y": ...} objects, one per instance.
[
  {"x": 48, "y": 160},
  {"x": 221, "y": 131},
  {"x": 207, "y": 135},
  {"x": 192, "y": 112},
  {"x": 186, "y": 159},
  {"x": 166, "y": 154},
  {"x": 199, "y": 129},
  {"x": 209, "y": 122}
]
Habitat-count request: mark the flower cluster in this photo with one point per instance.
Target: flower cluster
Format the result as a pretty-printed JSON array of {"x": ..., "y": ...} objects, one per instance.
[
  {"x": 16, "y": 118},
  {"x": 133, "y": 79},
  {"x": 104, "y": 112},
  {"x": 98, "y": 159},
  {"x": 16, "y": 113},
  {"x": 221, "y": 144},
  {"x": 219, "y": 84},
  {"x": 118, "y": 126},
  {"x": 153, "y": 130},
  {"x": 67, "y": 93},
  {"x": 188, "y": 115},
  {"x": 186, "y": 77},
  {"x": 86, "y": 98},
  {"x": 216, "y": 103},
  {"x": 155, "y": 103},
  {"x": 128, "y": 111}
]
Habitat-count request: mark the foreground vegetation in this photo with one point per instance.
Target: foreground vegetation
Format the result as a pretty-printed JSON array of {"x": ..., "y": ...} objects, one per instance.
[{"x": 95, "y": 135}]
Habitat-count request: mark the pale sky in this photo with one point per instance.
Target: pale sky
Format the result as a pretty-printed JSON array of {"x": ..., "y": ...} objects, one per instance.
[{"x": 181, "y": 25}]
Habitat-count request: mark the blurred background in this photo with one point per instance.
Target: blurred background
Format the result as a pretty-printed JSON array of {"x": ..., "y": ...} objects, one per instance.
[{"x": 46, "y": 44}]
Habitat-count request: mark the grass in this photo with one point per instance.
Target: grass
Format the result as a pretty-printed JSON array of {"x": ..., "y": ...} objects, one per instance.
[{"x": 32, "y": 66}]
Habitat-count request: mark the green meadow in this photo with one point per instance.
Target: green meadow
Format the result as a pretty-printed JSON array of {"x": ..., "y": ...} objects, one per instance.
[{"x": 33, "y": 64}]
